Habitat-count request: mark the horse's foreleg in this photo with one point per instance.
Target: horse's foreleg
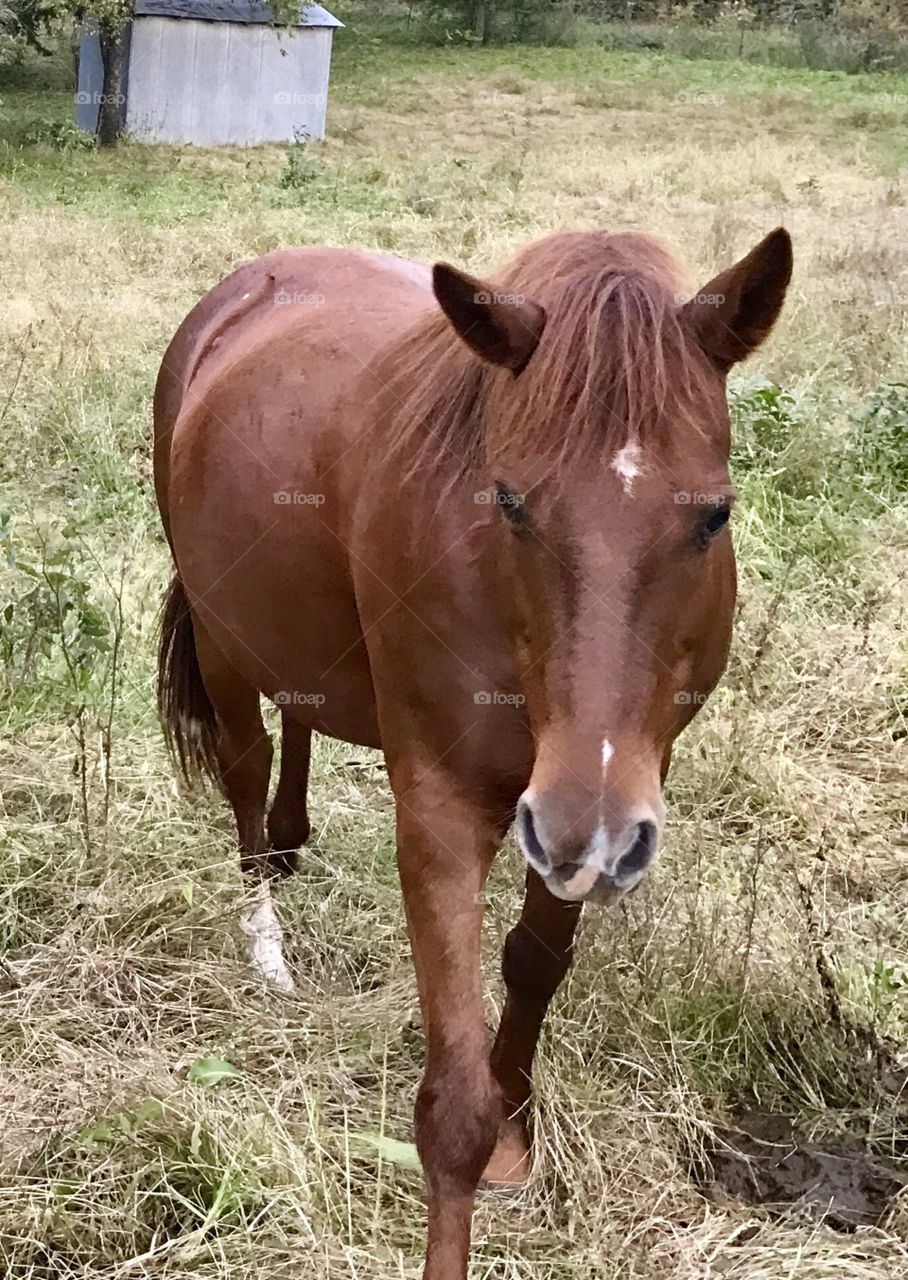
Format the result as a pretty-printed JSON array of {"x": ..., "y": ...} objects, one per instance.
[
  {"x": 288, "y": 820},
  {"x": 537, "y": 955},
  {"x": 444, "y": 853}
]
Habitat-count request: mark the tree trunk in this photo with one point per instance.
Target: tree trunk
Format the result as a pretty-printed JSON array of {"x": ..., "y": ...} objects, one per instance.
[
  {"x": 112, "y": 107},
  {"x": 482, "y": 20}
]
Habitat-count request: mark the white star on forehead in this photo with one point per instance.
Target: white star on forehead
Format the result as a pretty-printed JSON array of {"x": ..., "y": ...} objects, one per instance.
[{"x": 626, "y": 465}]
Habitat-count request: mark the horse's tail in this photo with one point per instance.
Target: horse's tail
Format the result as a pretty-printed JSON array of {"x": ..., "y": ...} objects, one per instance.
[{"x": 187, "y": 716}]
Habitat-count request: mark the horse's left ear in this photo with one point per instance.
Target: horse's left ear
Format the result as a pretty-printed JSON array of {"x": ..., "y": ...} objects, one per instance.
[
  {"x": 734, "y": 313},
  {"x": 503, "y": 328}
]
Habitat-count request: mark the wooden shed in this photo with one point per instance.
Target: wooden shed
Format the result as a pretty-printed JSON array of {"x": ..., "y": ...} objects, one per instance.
[{"x": 215, "y": 72}]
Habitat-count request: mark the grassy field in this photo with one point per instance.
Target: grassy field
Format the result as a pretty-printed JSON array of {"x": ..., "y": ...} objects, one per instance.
[{"x": 765, "y": 967}]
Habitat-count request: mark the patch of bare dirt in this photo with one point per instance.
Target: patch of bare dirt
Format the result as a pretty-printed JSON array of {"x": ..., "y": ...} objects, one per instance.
[{"x": 762, "y": 1160}]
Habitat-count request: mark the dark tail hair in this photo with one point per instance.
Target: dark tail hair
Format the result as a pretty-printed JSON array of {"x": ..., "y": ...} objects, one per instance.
[{"x": 187, "y": 716}]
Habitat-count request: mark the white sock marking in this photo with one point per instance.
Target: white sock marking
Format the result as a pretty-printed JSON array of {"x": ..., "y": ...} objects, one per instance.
[{"x": 259, "y": 922}]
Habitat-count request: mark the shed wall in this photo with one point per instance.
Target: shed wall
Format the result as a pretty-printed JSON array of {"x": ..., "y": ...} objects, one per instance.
[{"x": 214, "y": 83}]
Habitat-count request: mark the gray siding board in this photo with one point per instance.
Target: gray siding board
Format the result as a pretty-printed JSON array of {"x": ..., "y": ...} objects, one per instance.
[
  {"x": 91, "y": 80},
  {"x": 209, "y": 90},
  {"x": 242, "y": 88},
  {"x": 160, "y": 72}
]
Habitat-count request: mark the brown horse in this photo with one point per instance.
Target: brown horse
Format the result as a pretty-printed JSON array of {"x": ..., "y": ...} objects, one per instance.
[{"x": 483, "y": 527}]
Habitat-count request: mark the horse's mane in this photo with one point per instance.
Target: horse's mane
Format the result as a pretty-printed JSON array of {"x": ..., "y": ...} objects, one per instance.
[{"x": 613, "y": 365}]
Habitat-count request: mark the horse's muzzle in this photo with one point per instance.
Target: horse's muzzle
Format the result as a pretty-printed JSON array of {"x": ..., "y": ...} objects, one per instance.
[{"x": 599, "y": 871}]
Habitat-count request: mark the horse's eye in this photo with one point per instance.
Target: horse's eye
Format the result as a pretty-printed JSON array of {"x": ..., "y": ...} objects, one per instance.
[
  {"x": 510, "y": 504},
  {"x": 715, "y": 522}
]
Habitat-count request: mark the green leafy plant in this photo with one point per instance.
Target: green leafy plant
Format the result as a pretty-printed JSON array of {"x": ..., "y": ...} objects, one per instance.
[
  {"x": 124, "y": 1124},
  {"x": 208, "y": 1072},
  {"x": 764, "y": 423},
  {"x": 62, "y": 135},
  {"x": 57, "y": 636},
  {"x": 301, "y": 168},
  {"x": 881, "y": 437},
  {"x": 49, "y": 608}
]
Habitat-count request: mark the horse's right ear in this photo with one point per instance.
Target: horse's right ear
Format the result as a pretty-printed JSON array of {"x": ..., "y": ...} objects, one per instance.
[
  {"x": 503, "y": 328},
  {"x": 732, "y": 314}
]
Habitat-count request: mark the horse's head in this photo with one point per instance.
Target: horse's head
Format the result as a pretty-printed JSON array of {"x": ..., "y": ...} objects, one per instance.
[{"x": 607, "y": 449}]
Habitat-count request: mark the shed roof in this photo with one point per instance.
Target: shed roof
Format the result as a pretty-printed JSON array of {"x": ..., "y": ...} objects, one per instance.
[{"x": 247, "y": 11}]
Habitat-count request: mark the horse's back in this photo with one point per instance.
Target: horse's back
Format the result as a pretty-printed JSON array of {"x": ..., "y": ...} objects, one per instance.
[
  {"x": 286, "y": 287},
  {"x": 263, "y": 396}
]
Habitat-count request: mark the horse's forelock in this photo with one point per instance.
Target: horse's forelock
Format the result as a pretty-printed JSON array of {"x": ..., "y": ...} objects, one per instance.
[{"x": 613, "y": 366}]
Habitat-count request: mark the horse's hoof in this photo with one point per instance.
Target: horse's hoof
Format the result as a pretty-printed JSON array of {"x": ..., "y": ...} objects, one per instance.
[
  {"x": 282, "y": 862},
  {"x": 511, "y": 1160},
  {"x": 269, "y": 865},
  {"x": 264, "y": 938}
]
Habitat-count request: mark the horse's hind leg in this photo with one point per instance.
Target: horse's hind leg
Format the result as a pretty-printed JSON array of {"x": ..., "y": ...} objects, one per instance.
[
  {"x": 244, "y": 748},
  {"x": 288, "y": 820},
  {"x": 244, "y": 755}
]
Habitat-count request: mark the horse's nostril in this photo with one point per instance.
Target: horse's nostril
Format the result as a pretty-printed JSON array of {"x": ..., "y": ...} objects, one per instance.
[
  {"x": 640, "y": 854},
  {"x": 529, "y": 841}
]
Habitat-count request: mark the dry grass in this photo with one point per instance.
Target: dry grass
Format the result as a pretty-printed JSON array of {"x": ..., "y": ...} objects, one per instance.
[{"x": 123, "y": 960}]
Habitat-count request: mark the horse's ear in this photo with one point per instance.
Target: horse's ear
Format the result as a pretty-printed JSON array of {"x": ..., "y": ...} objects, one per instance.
[
  {"x": 503, "y": 328},
  {"x": 734, "y": 313}
]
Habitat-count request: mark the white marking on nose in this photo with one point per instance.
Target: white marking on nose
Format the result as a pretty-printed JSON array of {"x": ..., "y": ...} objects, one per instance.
[
  {"x": 626, "y": 465},
  {"x": 583, "y": 879},
  {"x": 259, "y": 922}
]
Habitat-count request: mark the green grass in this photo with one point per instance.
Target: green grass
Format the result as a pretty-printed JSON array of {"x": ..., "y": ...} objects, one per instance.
[{"x": 123, "y": 963}]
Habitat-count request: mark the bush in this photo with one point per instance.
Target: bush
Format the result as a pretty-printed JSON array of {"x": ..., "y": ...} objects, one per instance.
[
  {"x": 504, "y": 21},
  {"x": 62, "y": 135},
  {"x": 881, "y": 438},
  {"x": 301, "y": 168},
  {"x": 764, "y": 425},
  {"x": 49, "y": 617}
]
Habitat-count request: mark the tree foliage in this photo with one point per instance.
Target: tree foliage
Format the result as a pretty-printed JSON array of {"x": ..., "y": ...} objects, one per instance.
[
  {"x": 485, "y": 21},
  {"x": 24, "y": 24},
  {"x": 503, "y": 20}
]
